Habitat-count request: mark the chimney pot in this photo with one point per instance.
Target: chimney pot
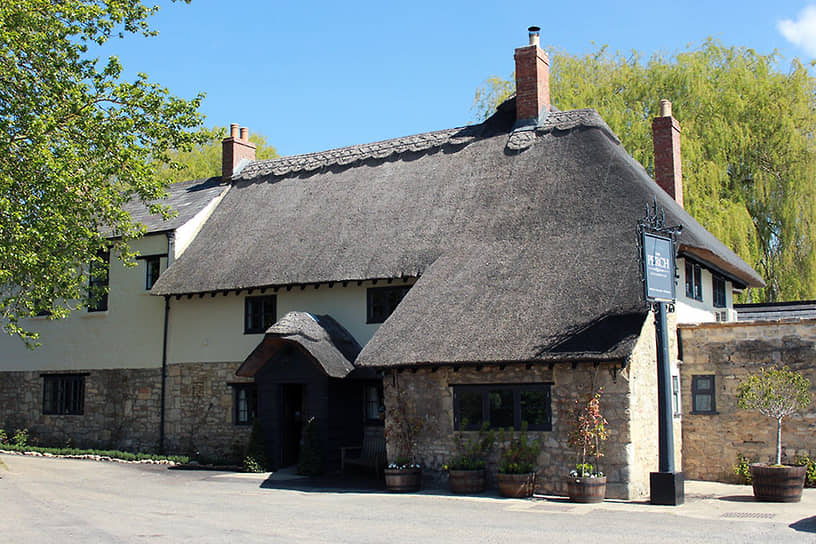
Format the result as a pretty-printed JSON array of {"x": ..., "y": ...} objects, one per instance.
[
  {"x": 665, "y": 108},
  {"x": 233, "y": 130},
  {"x": 534, "y": 36},
  {"x": 245, "y": 134}
]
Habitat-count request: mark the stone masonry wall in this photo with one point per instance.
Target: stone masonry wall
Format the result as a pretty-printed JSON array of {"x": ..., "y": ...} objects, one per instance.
[
  {"x": 122, "y": 410},
  {"x": 199, "y": 417},
  {"x": 730, "y": 351},
  {"x": 429, "y": 394}
]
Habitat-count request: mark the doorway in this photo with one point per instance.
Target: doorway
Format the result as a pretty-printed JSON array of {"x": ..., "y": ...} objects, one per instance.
[{"x": 291, "y": 422}]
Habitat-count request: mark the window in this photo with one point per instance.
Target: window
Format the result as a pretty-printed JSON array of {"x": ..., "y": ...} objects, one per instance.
[
  {"x": 702, "y": 394},
  {"x": 152, "y": 270},
  {"x": 373, "y": 403},
  {"x": 502, "y": 406},
  {"x": 260, "y": 313},
  {"x": 676, "y": 409},
  {"x": 64, "y": 394},
  {"x": 245, "y": 403},
  {"x": 694, "y": 281},
  {"x": 718, "y": 287},
  {"x": 382, "y": 301},
  {"x": 98, "y": 283}
]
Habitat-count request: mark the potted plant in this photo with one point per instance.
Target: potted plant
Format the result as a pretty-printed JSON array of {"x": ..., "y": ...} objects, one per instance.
[
  {"x": 586, "y": 482},
  {"x": 517, "y": 464},
  {"x": 777, "y": 393},
  {"x": 402, "y": 429},
  {"x": 466, "y": 471}
]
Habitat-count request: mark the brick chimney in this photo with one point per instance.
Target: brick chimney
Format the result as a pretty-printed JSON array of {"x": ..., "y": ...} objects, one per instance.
[
  {"x": 532, "y": 79},
  {"x": 668, "y": 171},
  {"x": 236, "y": 148}
]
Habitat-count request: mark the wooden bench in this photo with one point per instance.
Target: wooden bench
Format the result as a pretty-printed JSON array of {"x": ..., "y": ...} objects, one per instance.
[{"x": 371, "y": 454}]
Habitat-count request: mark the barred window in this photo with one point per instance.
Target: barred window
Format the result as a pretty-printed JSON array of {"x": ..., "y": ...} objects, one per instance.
[{"x": 64, "y": 394}]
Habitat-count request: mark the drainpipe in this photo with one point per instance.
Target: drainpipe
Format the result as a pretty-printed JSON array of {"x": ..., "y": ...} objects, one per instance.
[{"x": 163, "y": 374}]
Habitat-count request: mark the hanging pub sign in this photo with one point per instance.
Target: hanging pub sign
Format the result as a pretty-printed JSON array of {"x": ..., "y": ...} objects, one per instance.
[{"x": 658, "y": 267}]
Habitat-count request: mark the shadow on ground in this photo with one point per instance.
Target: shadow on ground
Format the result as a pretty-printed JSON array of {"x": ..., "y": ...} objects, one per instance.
[
  {"x": 807, "y": 525},
  {"x": 738, "y": 498},
  {"x": 334, "y": 483}
]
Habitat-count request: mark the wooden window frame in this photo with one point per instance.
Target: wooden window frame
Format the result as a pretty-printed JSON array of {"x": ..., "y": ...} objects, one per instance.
[
  {"x": 719, "y": 295},
  {"x": 694, "y": 281},
  {"x": 240, "y": 416},
  {"x": 516, "y": 389},
  {"x": 696, "y": 390},
  {"x": 98, "y": 285},
  {"x": 382, "y": 301},
  {"x": 150, "y": 279},
  {"x": 268, "y": 313}
]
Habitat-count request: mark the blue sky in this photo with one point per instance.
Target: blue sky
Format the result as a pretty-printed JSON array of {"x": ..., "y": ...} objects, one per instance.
[{"x": 317, "y": 75}]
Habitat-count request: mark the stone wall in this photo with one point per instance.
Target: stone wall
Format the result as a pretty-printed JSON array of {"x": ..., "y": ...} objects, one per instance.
[
  {"x": 429, "y": 394},
  {"x": 199, "y": 416},
  {"x": 122, "y": 410},
  {"x": 730, "y": 351}
]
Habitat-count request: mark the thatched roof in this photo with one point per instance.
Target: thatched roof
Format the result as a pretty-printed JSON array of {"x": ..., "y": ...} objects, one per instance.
[
  {"x": 187, "y": 198},
  {"x": 523, "y": 239},
  {"x": 332, "y": 347}
]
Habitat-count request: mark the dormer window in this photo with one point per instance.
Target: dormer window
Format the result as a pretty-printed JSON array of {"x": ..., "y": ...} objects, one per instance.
[{"x": 694, "y": 281}]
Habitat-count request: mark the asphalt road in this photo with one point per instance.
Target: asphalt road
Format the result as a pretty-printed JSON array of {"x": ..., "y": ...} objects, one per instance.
[{"x": 59, "y": 500}]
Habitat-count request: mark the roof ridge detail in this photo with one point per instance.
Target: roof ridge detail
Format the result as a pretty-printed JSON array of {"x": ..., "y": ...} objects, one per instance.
[{"x": 346, "y": 155}]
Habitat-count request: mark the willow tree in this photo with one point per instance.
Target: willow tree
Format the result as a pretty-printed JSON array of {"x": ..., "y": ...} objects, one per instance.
[
  {"x": 77, "y": 142},
  {"x": 749, "y": 158}
]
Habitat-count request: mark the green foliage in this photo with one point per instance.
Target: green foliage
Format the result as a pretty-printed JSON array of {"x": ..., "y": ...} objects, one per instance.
[
  {"x": 777, "y": 393},
  {"x": 810, "y": 475},
  {"x": 112, "y": 454},
  {"x": 3, "y": 437},
  {"x": 77, "y": 142},
  {"x": 588, "y": 429},
  {"x": 255, "y": 458},
  {"x": 748, "y": 154},
  {"x": 519, "y": 454},
  {"x": 472, "y": 449},
  {"x": 584, "y": 470},
  {"x": 20, "y": 438},
  {"x": 204, "y": 160},
  {"x": 310, "y": 462},
  {"x": 743, "y": 469}
]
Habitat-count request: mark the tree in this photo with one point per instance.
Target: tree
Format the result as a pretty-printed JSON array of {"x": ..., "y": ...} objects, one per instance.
[
  {"x": 204, "y": 160},
  {"x": 749, "y": 158},
  {"x": 77, "y": 142},
  {"x": 776, "y": 393}
]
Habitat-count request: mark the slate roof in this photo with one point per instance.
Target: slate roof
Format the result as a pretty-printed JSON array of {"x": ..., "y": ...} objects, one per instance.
[
  {"x": 524, "y": 239},
  {"x": 325, "y": 339},
  {"x": 800, "y": 309},
  {"x": 187, "y": 198}
]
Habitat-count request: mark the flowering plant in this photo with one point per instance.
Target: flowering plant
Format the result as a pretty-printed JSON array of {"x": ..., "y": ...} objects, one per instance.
[
  {"x": 589, "y": 430},
  {"x": 403, "y": 463}
]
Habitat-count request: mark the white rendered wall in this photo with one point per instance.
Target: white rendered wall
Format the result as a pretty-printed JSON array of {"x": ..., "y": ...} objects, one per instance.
[
  {"x": 127, "y": 335},
  {"x": 211, "y": 329},
  {"x": 690, "y": 310}
]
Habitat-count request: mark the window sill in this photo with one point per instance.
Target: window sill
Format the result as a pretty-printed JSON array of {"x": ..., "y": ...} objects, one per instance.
[
  {"x": 102, "y": 313},
  {"x": 714, "y": 413}
]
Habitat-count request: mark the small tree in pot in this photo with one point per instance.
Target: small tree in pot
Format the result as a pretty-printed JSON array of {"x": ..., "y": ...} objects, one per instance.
[
  {"x": 402, "y": 429},
  {"x": 586, "y": 482},
  {"x": 466, "y": 470},
  {"x": 777, "y": 393},
  {"x": 518, "y": 463}
]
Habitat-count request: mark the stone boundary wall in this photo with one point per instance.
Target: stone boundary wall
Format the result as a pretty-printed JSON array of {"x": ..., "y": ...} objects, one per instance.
[
  {"x": 122, "y": 410},
  {"x": 428, "y": 394},
  {"x": 730, "y": 351}
]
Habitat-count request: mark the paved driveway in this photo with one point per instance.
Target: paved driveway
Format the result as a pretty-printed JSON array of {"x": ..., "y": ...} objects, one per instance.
[{"x": 57, "y": 500}]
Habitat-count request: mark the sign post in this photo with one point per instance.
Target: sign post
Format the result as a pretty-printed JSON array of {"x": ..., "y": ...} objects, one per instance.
[{"x": 658, "y": 250}]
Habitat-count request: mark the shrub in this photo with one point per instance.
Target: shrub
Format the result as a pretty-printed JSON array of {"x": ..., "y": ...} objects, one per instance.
[
  {"x": 742, "y": 469},
  {"x": 472, "y": 451},
  {"x": 810, "y": 475},
  {"x": 255, "y": 458},
  {"x": 20, "y": 438},
  {"x": 519, "y": 455},
  {"x": 310, "y": 462},
  {"x": 3, "y": 437}
]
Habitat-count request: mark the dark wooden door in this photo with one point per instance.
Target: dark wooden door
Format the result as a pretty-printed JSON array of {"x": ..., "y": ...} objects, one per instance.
[{"x": 291, "y": 422}]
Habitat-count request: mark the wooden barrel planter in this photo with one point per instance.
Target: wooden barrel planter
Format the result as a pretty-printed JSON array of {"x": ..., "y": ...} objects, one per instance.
[
  {"x": 403, "y": 480},
  {"x": 777, "y": 483},
  {"x": 467, "y": 481},
  {"x": 517, "y": 486},
  {"x": 586, "y": 490}
]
